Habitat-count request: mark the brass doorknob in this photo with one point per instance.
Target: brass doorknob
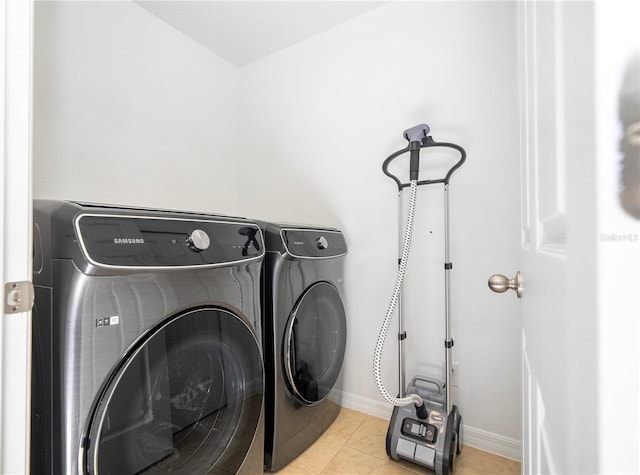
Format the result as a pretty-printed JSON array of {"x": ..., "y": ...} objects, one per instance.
[{"x": 499, "y": 283}]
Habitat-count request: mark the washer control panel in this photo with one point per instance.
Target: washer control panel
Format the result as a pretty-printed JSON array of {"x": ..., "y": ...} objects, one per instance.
[
  {"x": 141, "y": 241},
  {"x": 419, "y": 430}
]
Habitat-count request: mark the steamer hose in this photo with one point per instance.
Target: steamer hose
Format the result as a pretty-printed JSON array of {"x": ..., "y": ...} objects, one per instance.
[{"x": 377, "y": 356}]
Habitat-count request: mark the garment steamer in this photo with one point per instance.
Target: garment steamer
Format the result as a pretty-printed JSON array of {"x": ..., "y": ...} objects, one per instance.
[{"x": 425, "y": 427}]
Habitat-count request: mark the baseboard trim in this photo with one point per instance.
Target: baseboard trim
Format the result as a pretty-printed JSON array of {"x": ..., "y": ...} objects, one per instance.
[
  {"x": 372, "y": 407},
  {"x": 493, "y": 443},
  {"x": 473, "y": 437}
]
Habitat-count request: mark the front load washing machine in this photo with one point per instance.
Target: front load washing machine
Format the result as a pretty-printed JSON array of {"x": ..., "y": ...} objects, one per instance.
[
  {"x": 146, "y": 342},
  {"x": 305, "y": 333}
]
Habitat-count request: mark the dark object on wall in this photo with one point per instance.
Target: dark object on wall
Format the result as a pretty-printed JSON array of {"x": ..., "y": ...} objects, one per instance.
[{"x": 629, "y": 110}]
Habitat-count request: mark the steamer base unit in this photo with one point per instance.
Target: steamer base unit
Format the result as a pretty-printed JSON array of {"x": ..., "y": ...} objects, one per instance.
[{"x": 433, "y": 442}]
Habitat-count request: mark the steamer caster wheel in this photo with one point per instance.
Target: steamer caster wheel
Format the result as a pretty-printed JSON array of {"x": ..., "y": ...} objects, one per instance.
[{"x": 453, "y": 453}]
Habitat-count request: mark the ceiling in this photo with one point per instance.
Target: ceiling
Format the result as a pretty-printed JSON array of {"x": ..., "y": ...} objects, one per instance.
[{"x": 244, "y": 31}]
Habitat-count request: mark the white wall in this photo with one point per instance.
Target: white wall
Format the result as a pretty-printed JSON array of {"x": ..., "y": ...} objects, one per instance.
[
  {"x": 325, "y": 113},
  {"x": 128, "y": 110},
  {"x": 131, "y": 111}
]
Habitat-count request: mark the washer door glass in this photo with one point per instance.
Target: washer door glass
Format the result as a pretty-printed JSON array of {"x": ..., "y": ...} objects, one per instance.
[
  {"x": 314, "y": 343},
  {"x": 188, "y": 399}
]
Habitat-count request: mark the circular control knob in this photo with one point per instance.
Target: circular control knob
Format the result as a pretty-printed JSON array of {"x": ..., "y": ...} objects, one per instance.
[
  {"x": 322, "y": 243},
  {"x": 198, "y": 240}
]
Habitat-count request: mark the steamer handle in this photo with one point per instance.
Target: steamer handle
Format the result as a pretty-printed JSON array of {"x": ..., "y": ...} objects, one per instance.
[{"x": 426, "y": 143}]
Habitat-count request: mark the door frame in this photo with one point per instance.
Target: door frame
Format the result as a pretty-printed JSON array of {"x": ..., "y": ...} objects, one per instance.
[{"x": 16, "y": 61}]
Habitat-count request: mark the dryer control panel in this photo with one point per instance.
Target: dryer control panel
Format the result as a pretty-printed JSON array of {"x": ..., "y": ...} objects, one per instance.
[
  {"x": 140, "y": 241},
  {"x": 314, "y": 243}
]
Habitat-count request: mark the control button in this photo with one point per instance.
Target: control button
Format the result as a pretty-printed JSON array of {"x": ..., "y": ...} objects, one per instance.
[
  {"x": 198, "y": 240},
  {"x": 425, "y": 455},
  {"x": 322, "y": 242},
  {"x": 430, "y": 434},
  {"x": 406, "y": 449}
]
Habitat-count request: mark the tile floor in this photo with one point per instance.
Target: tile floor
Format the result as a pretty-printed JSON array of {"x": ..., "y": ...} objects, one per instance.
[{"x": 355, "y": 443}]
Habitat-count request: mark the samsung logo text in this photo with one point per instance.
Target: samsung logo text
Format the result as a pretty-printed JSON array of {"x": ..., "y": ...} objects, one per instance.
[{"x": 128, "y": 240}]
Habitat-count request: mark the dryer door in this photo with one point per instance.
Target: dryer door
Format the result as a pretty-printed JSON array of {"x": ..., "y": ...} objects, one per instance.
[
  {"x": 187, "y": 399},
  {"x": 314, "y": 343}
]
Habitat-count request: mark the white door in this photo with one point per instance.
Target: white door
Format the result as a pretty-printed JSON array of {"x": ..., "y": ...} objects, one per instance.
[
  {"x": 579, "y": 253},
  {"x": 16, "y": 19},
  {"x": 558, "y": 247}
]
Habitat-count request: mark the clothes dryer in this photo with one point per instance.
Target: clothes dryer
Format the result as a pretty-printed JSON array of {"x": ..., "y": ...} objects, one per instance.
[
  {"x": 305, "y": 333},
  {"x": 146, "y": 342}
]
